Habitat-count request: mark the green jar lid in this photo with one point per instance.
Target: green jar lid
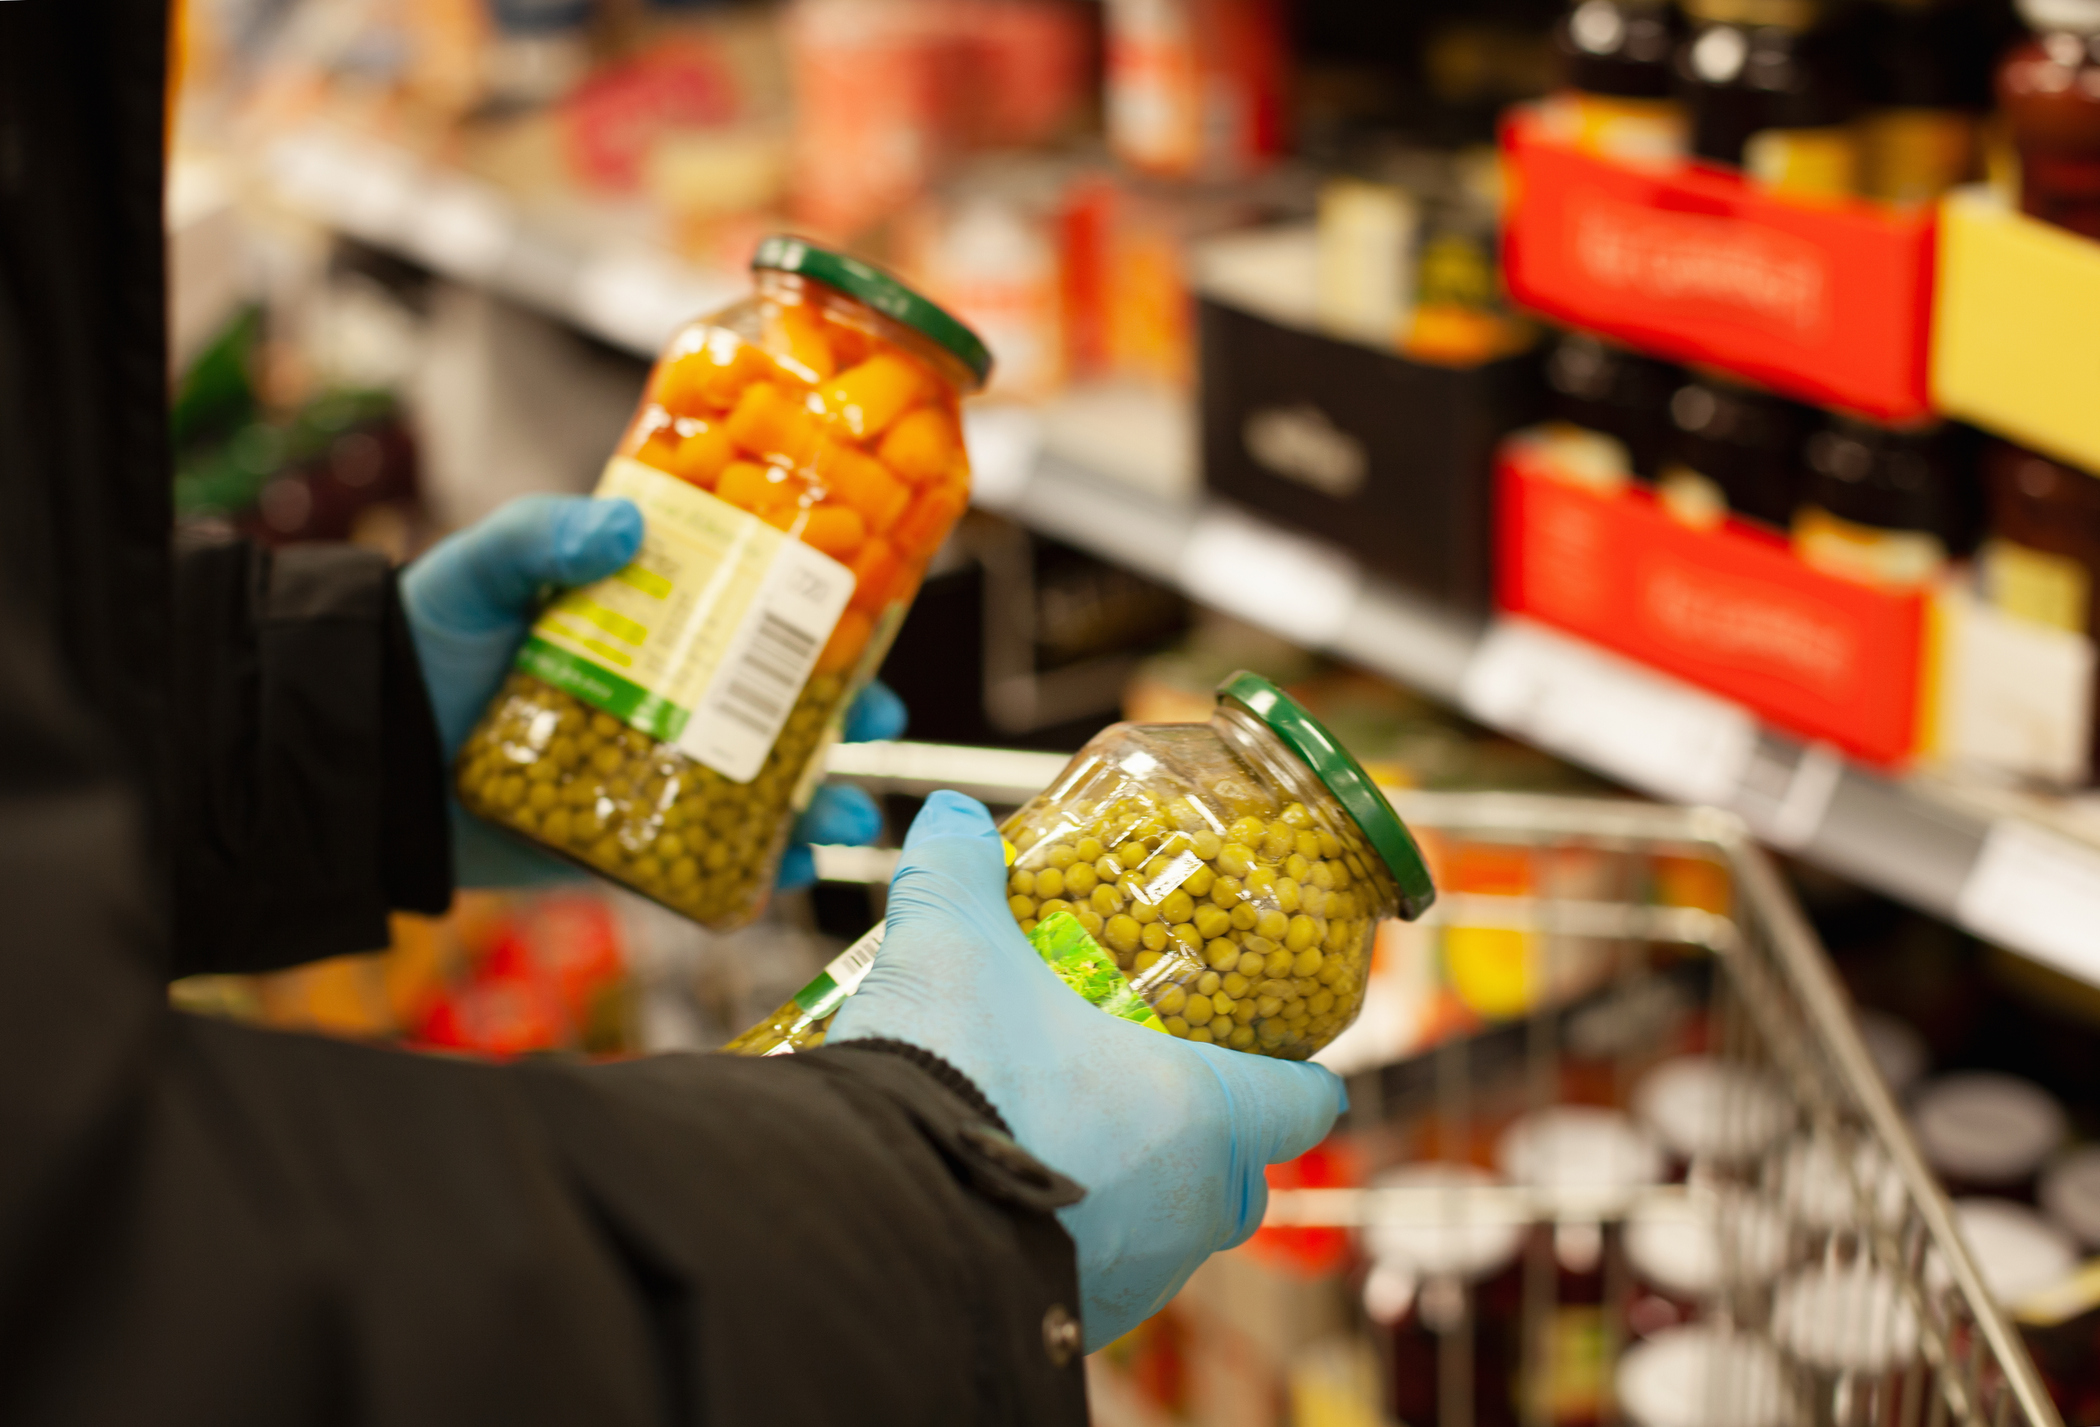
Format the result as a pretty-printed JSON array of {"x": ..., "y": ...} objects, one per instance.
[
  {"x": 867, "y": 283},
  {"x": 1344, "y": 777}
]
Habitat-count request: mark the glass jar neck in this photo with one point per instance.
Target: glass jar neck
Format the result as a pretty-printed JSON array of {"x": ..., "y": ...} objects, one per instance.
[{"x": 1255, "y": 743}]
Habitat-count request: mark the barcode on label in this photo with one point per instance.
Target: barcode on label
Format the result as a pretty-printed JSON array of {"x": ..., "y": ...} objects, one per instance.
[
  {"x": 840, "y": 979},
  {"x": 768, "y": 661},
  {"x": 763, "y": 686},
  {"x": 850, "y": 967}
]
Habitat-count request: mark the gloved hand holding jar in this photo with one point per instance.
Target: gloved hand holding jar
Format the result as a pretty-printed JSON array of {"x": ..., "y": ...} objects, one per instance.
[{"x": 797, "y": 459}]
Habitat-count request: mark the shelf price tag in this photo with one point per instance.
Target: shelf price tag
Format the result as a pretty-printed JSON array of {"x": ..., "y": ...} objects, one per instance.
[
  {"x": 2039, "y": 893},
  {"x": 1300, "y": 589},
  {"x": 1638, "y": 726}
]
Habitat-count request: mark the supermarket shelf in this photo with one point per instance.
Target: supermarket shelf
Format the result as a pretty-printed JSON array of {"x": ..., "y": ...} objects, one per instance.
[
  {"x": 627, "y": 293},
  {"x": 2008, "y": 875}
]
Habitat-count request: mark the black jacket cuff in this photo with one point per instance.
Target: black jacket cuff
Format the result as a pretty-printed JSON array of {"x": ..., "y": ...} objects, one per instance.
[
  {"x": 872, "y": 1249},
  {"x": 311, "y": 786}
]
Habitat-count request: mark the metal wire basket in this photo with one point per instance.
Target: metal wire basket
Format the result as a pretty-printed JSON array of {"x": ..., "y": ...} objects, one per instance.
[
  {"x": 1860, "y": 1307},
  {"x": 1856, "y": 1304}
]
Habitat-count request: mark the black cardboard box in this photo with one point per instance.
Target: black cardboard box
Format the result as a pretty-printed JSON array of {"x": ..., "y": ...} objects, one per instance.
[{"x": 1389, "y": 458}]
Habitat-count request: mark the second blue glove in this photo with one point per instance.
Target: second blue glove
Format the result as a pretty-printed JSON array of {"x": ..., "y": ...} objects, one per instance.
[{"x": 1171, "y": 1139}]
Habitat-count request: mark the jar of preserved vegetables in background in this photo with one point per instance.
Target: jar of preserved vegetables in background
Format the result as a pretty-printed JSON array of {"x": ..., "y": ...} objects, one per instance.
[
  {"x": 1615, "y": 61},
  {"x": 1887, "y": 505},
  {"x": 797, "y": 458},
  {"x": 1738, "y": 452},
  {"x": 1222, "y": 882},
  {"x": 1927, "y": 86},
  {"x": 1603, "y": 387},
  {"x": 2049, "y": 90},
  {"x": 1768, "y": 88},
  {"x": 2041, "y": 563}
]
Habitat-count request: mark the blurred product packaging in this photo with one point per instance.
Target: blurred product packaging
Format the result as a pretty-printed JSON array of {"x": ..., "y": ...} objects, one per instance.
[
  {"x": 989, "y": 247},
  {"x": 1195, "y": 88},
  {"x": 1618, "y": 100},
  {"x": 887, "y": 92}
]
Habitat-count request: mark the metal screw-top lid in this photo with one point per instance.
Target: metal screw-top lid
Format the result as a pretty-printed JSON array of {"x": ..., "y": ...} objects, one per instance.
[
  {"x": 1853, "y": 1318},
  {"x": 1445, "y": 1232},
  {"x": 1703, "y": 1376},
  {"x": 2071, "y": 1193},
  {"x": 1703, "y": 1107},
  {"x": 867, "y": 283},
  {"x": 1344, "y": 777},
  {"x": 1986, "y": 1127},
  {"x": 2018, "y": 1252}
]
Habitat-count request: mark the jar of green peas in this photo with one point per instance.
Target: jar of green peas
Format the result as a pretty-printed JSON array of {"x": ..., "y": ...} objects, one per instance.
[{"x": 1222, "y": 882}]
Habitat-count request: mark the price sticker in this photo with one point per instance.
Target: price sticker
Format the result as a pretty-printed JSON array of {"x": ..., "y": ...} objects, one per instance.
[
  {"x": 2037, "y": 892},
  {"x": 1297, "y": 588},
  {"x": 1638, "y": 726}
]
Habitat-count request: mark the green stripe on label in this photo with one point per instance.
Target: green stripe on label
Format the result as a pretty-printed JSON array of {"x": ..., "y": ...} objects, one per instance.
[
  {"x": 820, "y": 997},
  {"x": 601, "y": 688}
]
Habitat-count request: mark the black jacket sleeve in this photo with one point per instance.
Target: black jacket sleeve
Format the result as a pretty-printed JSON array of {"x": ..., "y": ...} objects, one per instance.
[
  {"x": 205, "y": 1223},
  {"x": 287, "y": 773},
  {"x": 309, "y": 789}
]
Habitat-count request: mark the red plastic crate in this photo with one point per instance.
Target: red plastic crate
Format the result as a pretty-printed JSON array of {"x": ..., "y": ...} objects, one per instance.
[
  {"x": 1828, "y": 301},
  {"x": 1729, "y": 609}
]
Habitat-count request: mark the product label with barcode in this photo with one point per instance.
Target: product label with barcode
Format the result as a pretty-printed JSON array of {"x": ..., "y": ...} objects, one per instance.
[
  {"x": 842, "y": 977},
  {"x": 704, "y": 641}
]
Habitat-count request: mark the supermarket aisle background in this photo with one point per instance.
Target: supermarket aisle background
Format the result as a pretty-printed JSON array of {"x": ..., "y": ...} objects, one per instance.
[{"x": 1270, "y": 308}]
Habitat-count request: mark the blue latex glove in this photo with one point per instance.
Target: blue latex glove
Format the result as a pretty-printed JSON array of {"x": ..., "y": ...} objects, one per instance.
[
  {"x": 470, "y": 600},
  {"x": 1170, "y": 1138},
  {"x": 840, "y": 814}
]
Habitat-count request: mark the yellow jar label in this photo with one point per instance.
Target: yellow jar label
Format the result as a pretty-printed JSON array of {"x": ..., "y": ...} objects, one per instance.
[
  {"x": 1648, "y": 131},
  {"x": 1576, "y": 1366},
  {"x": 1915, "y": 155},
  {"x": 707, "y": 638},
  {"x": 1692, "y": 499},
  {"x": 1805, "y": 163},
  {"x": 2033, "y": 585},
  {"x": 1888, "y": 559}
]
